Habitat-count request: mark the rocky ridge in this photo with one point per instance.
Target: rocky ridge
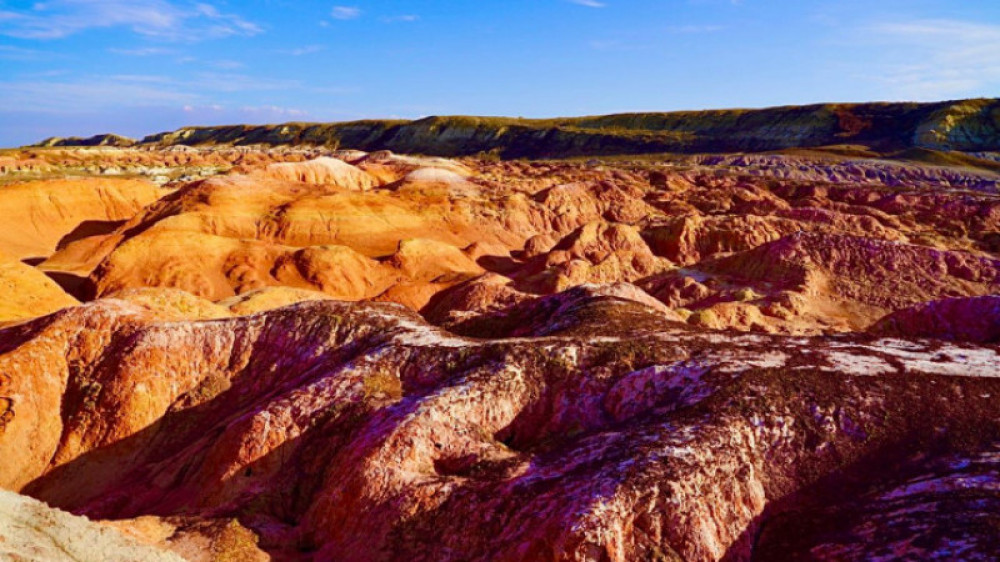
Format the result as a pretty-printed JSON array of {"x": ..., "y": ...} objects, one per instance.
[
  {"x": 966, "y": 125},
  {"x": 401, "y": 440},
  {"x": 315, "y": 354}
]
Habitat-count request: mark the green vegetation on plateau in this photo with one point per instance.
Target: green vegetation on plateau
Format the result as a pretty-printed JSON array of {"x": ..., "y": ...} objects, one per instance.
[{"x": 967, "y": 125}]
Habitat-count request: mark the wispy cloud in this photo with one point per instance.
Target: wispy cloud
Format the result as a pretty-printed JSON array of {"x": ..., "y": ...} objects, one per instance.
[
  {"x": 300, "y": 51},
  {"x": 142, "y": 51},
  {"x": 164, "y": 19},
  {"x": 89, "y": 94},
  {"x": 227, "y": 64},
  {"x": 252, "y": 111},
  {"x": 695, "y": 29},
  {"x": 404, "y": 18},
  {"x": 9, "y": 52},
  {"x": 345, "y": 12},
  {"x": 230, "y": 82},
  {"x": 100, "y": 92},
  {"x": 934, "y": 59},
  {"x": 141, "y": 78},
  {"x": 588, "y": 3},
  {"x": 334, "y": 90}
]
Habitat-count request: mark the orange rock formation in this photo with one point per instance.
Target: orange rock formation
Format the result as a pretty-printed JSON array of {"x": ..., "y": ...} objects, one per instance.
[{"x": 309, "y": 354}]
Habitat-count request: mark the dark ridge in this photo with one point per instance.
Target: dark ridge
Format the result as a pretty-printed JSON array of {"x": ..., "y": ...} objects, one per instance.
[
  {"x": 965, "y": 125},
  {"x": 107, "y": 139}
]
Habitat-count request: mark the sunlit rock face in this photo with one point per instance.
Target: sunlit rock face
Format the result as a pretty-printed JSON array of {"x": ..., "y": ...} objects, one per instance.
[
  {"x": 314, "y": 354},
  {"x": 963, "y": 125},
  {"x": 358, "y": 431},
  {"x": 31, "y": 530}
]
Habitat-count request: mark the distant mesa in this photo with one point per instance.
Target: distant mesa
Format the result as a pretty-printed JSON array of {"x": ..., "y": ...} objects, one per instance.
[
  {"x": 96, "y": 140},
  {"x": 966, "y": 125}
]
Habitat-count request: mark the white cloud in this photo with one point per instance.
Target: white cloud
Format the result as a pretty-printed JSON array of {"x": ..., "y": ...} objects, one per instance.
[
  {"x": 143, "y": 51},
  {"x": 694, "y": 29},
  {"x": 88, "y": 95},
  {"x": 229, "y": 83},
  {"x": 588, "y": 3},
  {"x": 345, "y": 12},
  {"x": 143, "y": 78},
  {"x": 934, "y": 59},
  {"x": 227, "y": 64},
  {"x": 100, "y": 92},
  {"x": 9, "y": 52},
  {"x": 164, "y": 19},
  {"x": 274, "y": 110},
  {"x": 252, "y": 112},
  {"x": 404, "y": 18},
  {"x": 298, "y": 52}
]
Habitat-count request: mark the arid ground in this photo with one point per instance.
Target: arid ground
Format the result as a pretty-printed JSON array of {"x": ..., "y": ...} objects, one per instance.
[{"x": 249, "y": 348}]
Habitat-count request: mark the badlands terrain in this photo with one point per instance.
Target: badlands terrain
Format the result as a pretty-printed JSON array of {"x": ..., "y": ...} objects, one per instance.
[{"x": 777, "y": 338}]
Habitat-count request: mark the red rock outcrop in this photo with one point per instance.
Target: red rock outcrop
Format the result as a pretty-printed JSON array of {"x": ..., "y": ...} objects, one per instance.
[
  {"x": 881, "y": 274},
  {"x": 322, "y": 171},
  {"x": 597, "y": 252},
  {"x": 970, "y": 319},
  {"x": 40, "y": 216},
  {"x": 27, "y": 292},
  {"x": 335, "y": 355},
  {"x": 382, "y": 436}
]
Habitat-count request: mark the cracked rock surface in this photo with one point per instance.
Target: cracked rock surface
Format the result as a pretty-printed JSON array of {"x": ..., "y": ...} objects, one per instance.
[{"x": 314, "y": 354}]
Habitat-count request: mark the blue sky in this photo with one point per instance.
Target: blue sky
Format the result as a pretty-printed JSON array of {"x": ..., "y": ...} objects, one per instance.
[{"x": 135, "y": 67}]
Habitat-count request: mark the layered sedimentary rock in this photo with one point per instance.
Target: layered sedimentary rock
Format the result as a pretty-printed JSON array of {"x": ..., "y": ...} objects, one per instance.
[
  {"x": 969, "y": 125},
  {"x": 359, "y": 432},
  {"x": 31, "y": 530},
  {"x": 318, "y": 354},
  {"x": 40, "y": 216},
  {"x": 726, "y": 249},
  {"x": 96, "y": 140},
  {"x": 322, "y": 171},
  {"x": 27, "y": 292},
  {"x": 971, "y": 319}
]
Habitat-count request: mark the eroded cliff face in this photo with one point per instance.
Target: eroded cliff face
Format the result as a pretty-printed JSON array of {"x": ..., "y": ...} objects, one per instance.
[
  {"x": 359, "y": 432},
  {"x": 734, "y": 242},
  {"x": 31, "y": 530},
  {"x": 967, "y": 125},
  {"x": 339, "y": 355}
]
